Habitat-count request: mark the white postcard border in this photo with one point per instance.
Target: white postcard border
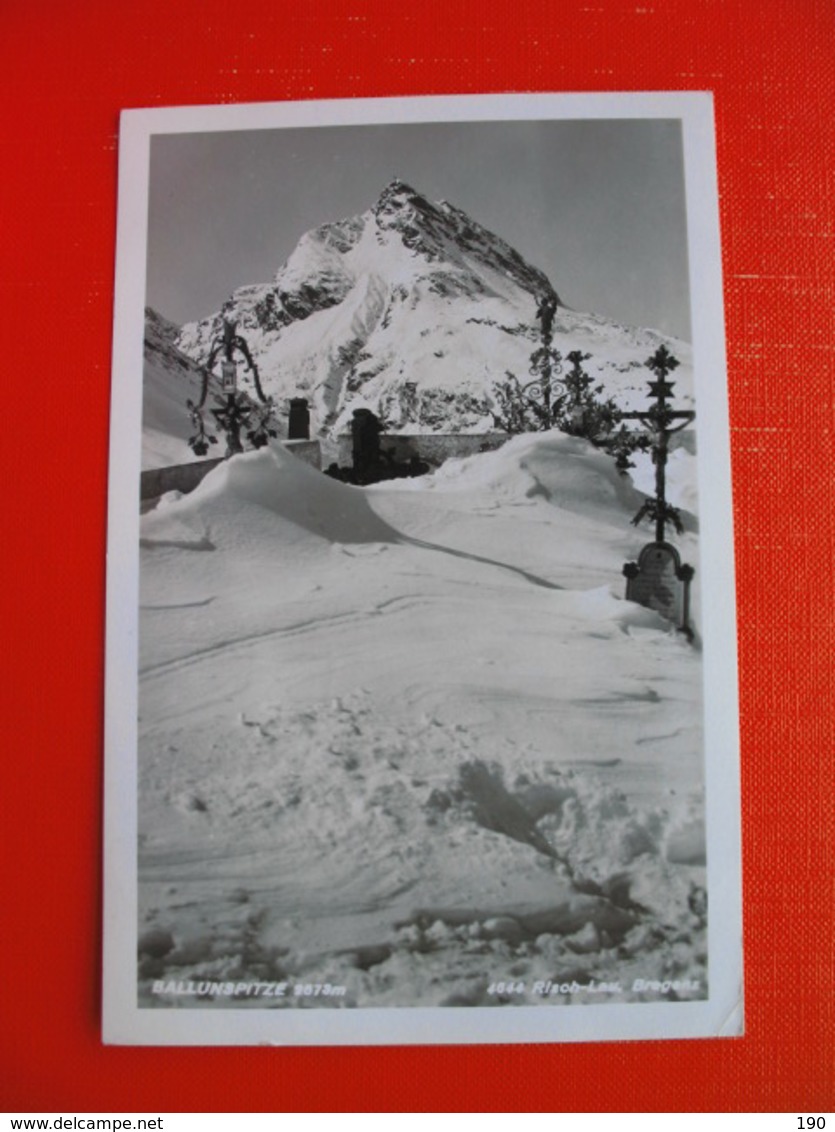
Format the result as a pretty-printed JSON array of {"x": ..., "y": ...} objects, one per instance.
[{"x": 721, "y": 1014}]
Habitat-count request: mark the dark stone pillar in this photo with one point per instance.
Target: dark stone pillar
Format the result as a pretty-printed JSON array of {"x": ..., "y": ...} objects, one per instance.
[{"x": 298, "y": 426}]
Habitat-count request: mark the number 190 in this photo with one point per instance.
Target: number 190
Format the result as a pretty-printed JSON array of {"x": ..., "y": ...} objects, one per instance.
[{"x": 810, "y": 1122}]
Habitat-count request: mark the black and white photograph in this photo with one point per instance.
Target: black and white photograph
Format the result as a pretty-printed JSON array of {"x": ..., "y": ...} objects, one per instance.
[{"x": 421, "y": 704}]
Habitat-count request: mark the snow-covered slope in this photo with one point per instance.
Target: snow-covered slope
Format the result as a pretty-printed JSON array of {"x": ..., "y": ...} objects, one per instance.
[
  {"x": 415, "y": 311},
  {"x": 170, "y": 379},
  {"x": 407, "y": 742}
]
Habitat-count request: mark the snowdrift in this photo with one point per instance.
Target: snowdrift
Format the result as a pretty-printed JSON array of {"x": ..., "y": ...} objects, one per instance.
[{"x": 409, "y": 743}]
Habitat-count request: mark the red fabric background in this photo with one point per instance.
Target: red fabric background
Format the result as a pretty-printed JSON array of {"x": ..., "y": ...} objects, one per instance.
[{"x": 68, "y": 68}]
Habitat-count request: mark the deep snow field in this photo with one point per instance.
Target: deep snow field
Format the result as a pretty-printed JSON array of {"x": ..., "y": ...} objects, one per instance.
[{"x": 407, "y": 743}]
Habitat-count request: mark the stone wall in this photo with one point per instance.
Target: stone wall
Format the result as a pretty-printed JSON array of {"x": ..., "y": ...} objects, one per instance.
[{"x": 185, "y": 477}]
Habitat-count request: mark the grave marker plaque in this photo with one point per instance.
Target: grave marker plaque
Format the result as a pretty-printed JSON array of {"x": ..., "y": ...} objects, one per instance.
[
  {"x": 659, "y": 581},
  {"x": 229, "y": 376}
]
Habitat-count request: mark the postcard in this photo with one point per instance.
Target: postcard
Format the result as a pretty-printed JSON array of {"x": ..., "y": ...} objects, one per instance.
[{"x": 421, "y": 713}]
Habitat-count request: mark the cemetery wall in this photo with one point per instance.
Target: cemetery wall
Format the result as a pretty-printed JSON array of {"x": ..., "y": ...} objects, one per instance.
[{"x": 186, "y": 477}]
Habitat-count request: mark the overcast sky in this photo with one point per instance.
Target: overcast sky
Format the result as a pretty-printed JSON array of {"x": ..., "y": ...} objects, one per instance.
[{"x": 597, "y": 205}]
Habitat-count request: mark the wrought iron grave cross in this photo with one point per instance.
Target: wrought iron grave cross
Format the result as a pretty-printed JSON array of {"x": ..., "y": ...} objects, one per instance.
[
  {"x": 662, "y": 421},
  {"x": 236, "y": 409},
  {"x": 659, "y": 579}
]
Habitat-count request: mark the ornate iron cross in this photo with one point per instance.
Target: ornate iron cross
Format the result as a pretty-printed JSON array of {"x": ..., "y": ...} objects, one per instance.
[{"x": 662, "y": 421}]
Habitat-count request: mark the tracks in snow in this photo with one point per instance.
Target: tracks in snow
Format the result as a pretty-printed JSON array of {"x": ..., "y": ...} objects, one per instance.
[{"x": 309, "y": 625}]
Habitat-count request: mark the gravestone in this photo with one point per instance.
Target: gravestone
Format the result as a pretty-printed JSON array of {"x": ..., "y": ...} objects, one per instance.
[
  {"x": 659, "y": 581},
  {"x": 365, "y": 437}
]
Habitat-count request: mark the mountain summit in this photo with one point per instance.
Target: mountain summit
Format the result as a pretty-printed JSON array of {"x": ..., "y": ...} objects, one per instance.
[
  {"x": 413, "y": 310},
  {"x": 443, "y": 233}
]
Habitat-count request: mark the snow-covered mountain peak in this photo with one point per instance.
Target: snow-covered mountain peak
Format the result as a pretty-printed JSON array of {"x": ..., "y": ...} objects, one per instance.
[
  {"x": 417, "y": 311},
  {"x": 441, "y": 234}
]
